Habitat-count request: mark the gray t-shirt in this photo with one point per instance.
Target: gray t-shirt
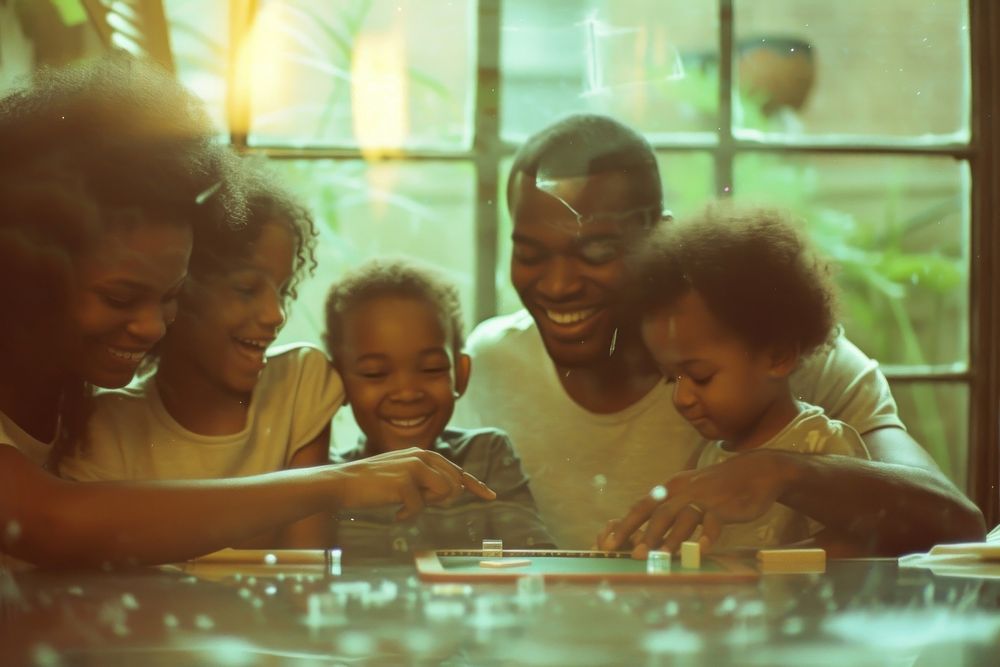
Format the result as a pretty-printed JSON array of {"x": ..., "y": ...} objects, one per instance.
[{"x": 512, "y": 517}]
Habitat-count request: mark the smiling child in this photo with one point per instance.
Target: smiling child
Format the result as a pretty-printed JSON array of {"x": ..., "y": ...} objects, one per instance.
[{"x": 394, "y": 331}]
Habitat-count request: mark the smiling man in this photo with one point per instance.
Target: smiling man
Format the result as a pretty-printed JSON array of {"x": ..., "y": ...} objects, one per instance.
[{"x": 589, "y": 414}]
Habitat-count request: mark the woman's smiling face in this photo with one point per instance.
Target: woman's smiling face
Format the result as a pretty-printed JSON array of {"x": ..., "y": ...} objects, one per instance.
[{"x": 124, "y": 297}]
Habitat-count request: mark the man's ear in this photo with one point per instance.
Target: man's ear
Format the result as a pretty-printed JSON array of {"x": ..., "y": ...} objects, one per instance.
[
  {"x": 463, "y": 370},
  {"x": 783, "y": 360}
]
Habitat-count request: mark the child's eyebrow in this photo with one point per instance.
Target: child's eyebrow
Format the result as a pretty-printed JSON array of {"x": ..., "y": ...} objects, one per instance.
[
  {"x": 687, "y": 363},
  {"x": 129, "y": 283},
  {"x": 597, "y": 238},
  {"x": 372, "y": 356}
]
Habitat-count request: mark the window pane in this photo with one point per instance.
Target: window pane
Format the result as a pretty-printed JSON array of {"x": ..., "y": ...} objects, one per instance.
[
  {"x": 36, "y": 34},
  {"x": 199, "y": 40},
  {"x": 364, "y": 210},
  {"x": 652, "y": 63},
  {"x": 687, "y": 185},
  {"x": 894, "y": 68},
  {"x": 897, "y": 229},
  {"x": 937, "y": 416},
  {"x": 370, "y": 74}
]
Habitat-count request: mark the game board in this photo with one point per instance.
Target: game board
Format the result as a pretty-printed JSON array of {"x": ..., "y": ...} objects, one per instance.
[{"x": 575, "y": 566}]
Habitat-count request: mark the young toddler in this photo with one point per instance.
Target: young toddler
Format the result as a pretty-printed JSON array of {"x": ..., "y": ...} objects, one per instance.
[{"x": 732, "y": 301}]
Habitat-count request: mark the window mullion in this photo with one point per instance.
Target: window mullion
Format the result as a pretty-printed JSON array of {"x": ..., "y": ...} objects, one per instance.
[
  {"x": 241, "y": 18},
  {"x": 488, "y": 151},
  {"x": 984, "y": 279},
  {"x": 725, "y": 151}
]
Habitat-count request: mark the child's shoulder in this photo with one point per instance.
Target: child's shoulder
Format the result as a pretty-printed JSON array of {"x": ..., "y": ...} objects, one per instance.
[
  {"x": 301, "y": 372},
  {"x": 816, "y": 432},
  {"x": 461, "y": 443},
  {"x": 295, "y": 359},
  {"x": 296, "y": 354}
]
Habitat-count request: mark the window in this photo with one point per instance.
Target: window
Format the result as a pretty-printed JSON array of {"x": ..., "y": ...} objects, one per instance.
[
  {"x": 856, "y": 115},
  {"x": 397, "y": 120}
]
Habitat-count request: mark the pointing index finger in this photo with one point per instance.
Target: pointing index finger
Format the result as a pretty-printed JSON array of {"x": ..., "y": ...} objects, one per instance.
[{"x": 477, "y": 488}]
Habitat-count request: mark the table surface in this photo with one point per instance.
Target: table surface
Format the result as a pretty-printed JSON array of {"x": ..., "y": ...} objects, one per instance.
[{"x": 858, "y": 613}]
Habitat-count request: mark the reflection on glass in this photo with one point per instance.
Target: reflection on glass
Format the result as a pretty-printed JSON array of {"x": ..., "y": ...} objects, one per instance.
[
  {"x": 687, "y": 185},
  {"x": 199, "y": 40},
  {"x": 376, "y": 75},
  {"x": 937, "y": 416},
  {"x": 364, "y": 210},
  {"x": 651, "y": 64},
  {"x": 897, "y": 230},
  {"x": 892, "y": 69}
]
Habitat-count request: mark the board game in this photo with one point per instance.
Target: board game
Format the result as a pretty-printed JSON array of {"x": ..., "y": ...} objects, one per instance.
[{"x": 572, "y": 566}]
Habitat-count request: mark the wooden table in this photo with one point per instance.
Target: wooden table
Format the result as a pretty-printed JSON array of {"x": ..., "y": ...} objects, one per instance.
[{"x": 858, "y": 613}]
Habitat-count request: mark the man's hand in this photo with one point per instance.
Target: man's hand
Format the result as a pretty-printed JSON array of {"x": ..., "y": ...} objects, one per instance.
[{"x": 734, "y": 491}]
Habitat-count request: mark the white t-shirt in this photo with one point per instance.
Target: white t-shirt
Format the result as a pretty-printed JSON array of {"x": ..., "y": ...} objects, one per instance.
[
  {"x": 811, "y": 432},
  {"x": 14, "y": 436},
  {"x": 132, "y": 436},
  {"x": 587, "y": 468}
]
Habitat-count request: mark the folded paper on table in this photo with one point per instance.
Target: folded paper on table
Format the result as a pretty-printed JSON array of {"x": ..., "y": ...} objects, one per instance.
[{"x": 969, "y": 559}]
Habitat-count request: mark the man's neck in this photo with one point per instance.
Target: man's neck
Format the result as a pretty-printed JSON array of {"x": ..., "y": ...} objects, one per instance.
[{"x": 615, "y": 383}]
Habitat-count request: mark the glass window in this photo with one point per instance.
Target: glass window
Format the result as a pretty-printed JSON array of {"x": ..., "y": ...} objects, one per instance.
[
  {"x": 880, "y": 70},
  {"x": 376, "y": 209},
  {"x": 854, "y": 114},
  {"x": 37, "y": 34},
  {"x": 897, "y": 230},
  {"x": 199, "y": 40},
  {"x": 936, "y": 414},
  {"x": 626, "y": 58},
  {"x": 372, "y": 75}
]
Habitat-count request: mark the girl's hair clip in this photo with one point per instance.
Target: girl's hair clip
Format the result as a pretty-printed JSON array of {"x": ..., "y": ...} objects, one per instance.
[{"x": 207, "y": 193}]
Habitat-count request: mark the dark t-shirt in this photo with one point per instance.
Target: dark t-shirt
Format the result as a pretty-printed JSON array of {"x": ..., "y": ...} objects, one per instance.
[{"x": 512, "y": 517}]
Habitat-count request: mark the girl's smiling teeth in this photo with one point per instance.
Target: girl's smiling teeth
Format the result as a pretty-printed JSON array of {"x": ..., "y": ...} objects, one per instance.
[
  {"x": 127, "y": 355},
  {"x": 407, "y": 423},
  {"x": 255, "y": 343},
  {"x": 569, "y": 317}
]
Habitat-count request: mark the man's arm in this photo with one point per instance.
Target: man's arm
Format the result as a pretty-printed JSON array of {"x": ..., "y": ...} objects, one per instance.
[{"x": 898, "y": 502}]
